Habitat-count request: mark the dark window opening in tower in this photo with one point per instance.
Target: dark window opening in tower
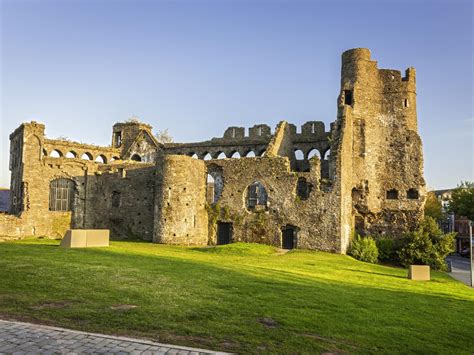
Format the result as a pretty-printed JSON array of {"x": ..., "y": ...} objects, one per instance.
[{"x": 348, "y": 97}]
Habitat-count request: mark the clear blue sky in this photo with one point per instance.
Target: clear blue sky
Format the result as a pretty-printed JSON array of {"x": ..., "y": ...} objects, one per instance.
[{"x": 196, "y": 67}]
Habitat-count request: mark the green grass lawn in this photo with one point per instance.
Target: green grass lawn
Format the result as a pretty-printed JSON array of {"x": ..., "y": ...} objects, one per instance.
[{"x": 241, "y": 298}]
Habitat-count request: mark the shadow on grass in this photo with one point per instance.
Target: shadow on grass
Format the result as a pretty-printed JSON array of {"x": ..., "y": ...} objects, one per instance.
[
  {"x": 376, "y": 273},
  {"x": 206, "y": 304}
]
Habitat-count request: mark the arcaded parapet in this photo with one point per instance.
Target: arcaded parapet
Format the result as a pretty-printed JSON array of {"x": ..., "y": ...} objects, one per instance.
[{"x": 180, "y": 209}]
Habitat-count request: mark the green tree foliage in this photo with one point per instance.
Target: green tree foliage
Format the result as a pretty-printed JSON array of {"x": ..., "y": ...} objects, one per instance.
[
  {"x": 462, "y": 200},
  {"x": 427, "y": 246},
  {"x": 433, "y": 206},
  {"x": 364, "y": 249}
]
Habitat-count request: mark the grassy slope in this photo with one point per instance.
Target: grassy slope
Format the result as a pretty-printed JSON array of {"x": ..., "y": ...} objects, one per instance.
[{"x": 217, "y": 298}]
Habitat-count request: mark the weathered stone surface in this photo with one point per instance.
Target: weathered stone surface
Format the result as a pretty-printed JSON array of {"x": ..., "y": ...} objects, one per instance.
[{"x": 316, "y": 186}]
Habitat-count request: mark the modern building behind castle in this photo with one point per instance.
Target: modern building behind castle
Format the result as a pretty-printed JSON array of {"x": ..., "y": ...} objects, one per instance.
[{"x": 308, "y": 188}]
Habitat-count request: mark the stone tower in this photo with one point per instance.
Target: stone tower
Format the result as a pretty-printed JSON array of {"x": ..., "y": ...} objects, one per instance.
[{"x": 380, "y": 162}]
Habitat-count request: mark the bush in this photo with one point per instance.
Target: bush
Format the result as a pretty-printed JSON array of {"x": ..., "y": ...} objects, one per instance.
[
  {"x": 386, "y": 248},
  {"x": 364, "y": 249},
  {"x": 427, "y": 246}
]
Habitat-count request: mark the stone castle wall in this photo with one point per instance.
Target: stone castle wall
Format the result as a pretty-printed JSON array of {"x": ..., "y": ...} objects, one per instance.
[{"x": 365, "y": 174}]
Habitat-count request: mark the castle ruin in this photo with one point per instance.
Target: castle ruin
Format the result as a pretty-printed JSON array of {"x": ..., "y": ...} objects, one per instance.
[{"x": 309, "y": 189}]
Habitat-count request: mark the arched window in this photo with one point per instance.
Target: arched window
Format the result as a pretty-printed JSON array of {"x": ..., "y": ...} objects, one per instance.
[
  {"x": 256, "y": 195},
  {"x": 61, "y": 194},
  {"x": 114, "y": 158},
  {"x": 314, "y": 152},
  {"x": 413, "y": 194},
  {"x": 101, "y": 159},
  {"x": 194, "y": 156},
  {"x": 136, "y": 157},
  {"x": 71, "y": 154},
  {"x": 327, "y": 153},
  {"x": 236, "y": 155},
  {"x": 392, "y": 194},
  {"x": 207, "y": 157},
  {"x": 221, "y": 155},
  {"x": 299, "y": 154},
  {"x": 56, "y": 154},
  {"x": 251, "y": 154}
]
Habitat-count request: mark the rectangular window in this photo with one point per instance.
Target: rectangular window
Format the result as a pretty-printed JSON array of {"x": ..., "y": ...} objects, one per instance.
[
  {"x": 116, "y": 199},
  {"x": 61, "y": 193},
  {"x": 348, "y": 97}
]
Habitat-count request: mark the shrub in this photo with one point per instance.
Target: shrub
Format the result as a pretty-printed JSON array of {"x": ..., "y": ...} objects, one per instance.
[
  {"x": 364, "y": 249},
  {"x": 386, "y": 248},
  {"x": 427, "y": 246}
]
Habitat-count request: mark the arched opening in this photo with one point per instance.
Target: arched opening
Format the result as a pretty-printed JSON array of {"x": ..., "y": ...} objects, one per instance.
[
  {"x": 235, "y": 155},
  {"x": 45, "y": 153},
  {"x": 136, "y": 157},
  {"x": 56, "y": 154},
  {"x": 256, "y": 195},
  {"x": 208, "y": 156},
  {"x": 86, "y": 156},
  {"x": 250, "y": 154},
  {"x": 114, "y": 158},
  {"x": 262, "y": 153},
  {"x": 314, "y": 152},
  {"x": 101, "y": 159},
  {"x": 61, "y": 194},
  {"x": 299, "y": 154},
  {"x": 215, "y": 183},
  {"x": 194, "y": 156},
  {"x": 413, "y": 194},
  {"x": 71, "y": 155},
  {"x": 221, "y": 155},
  {"x": 327, "y": 153}
]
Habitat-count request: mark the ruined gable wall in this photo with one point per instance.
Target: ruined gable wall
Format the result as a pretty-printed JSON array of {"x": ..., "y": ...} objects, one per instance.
[
  {"x": 180, "y": 206},
  {"x": 316, "y": 218}
]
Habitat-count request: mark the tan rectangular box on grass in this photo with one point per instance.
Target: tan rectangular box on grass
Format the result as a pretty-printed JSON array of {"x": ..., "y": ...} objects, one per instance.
[
  {"x": 84, "y": 238},
  {"x": 419, "y": 272}
]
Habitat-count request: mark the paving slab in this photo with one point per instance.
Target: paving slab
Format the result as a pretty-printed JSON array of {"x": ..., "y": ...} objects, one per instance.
[{"x": 21, "y": 338}]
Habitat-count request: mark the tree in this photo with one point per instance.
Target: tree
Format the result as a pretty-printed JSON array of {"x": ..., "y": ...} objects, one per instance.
[
  {"x": 164, "y": 136},
  {"x": 433, "y": 207},
  {"x": 462, "y": 200}
]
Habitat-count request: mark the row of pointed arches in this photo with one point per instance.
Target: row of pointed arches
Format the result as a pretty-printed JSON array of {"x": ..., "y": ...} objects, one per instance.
[
  {"x": 300, "y": 155},
  {"x": 223, "y": 155},
  {"x": 101, "y": 158}
]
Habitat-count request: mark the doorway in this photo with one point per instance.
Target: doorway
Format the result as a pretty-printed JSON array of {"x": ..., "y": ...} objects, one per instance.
[
  {"x": 288, "y": 237},
  {"x": 224, "y": 233}
]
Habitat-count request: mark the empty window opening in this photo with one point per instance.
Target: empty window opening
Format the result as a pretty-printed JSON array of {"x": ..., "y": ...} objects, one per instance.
[
  {"x": 288, "y": 237},
  {"x": 61, "y": 194},
  {"x": 71, "y": 155},
  {"x": 327, "y": 154},
  {"x": 262, "y": 153},
  {"x": 413, "y": 194},
  {"x": 303, "y": 189},
  {"x": 86, "y": 156},
  {"x": 299, "y": 154},
  {"x": 56, "y": 154},
  {"x": 314, "y": 152},
  {"x": 224, "y": 233},
  {"x": 194, "y": 156},
  {"x": 251, "y": 154},
  {"x": 136, "y": 157},
  {"x": 313, "y": 128},
  {"x": 207, "y": 157},
  {"x": 406, "y": 103},
  {"x": 221, "y": 156},
  {"x": 117, "y": 139},
  {"x": 259, "y": 131},
  {"x": 256, "y": 195},
  {"x": 236, "y": 155},
  {"x": 392, "y": 194},
  {"x": 233, "y": 132},
  {"x": 101, "y": 159},
  {"x": 348, "y": 97},
  {"x": 116, "y": 199}
]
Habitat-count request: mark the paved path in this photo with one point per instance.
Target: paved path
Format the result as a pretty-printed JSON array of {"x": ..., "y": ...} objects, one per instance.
[
  {"x": 24, "y": 338},
  {"x": 460, "y": 268}
]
